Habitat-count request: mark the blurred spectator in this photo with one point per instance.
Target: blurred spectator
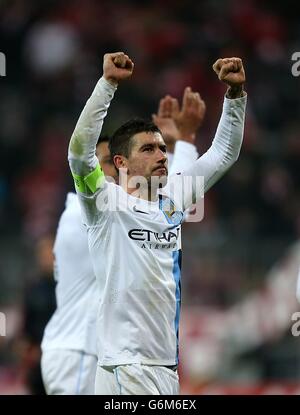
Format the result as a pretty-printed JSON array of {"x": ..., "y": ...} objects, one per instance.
[{"x": 39, "y": 305}]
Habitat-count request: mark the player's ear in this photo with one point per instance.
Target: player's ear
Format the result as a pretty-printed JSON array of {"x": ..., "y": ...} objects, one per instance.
[{"x": 120, "y": 162}]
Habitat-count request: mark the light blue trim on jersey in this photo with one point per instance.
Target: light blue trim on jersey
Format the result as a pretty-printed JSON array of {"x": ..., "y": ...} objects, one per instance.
[
  {"x": 80, "y": 374},
  {"x": 176, "y": 271},
  {"x": 117, "y": 379},
  {"x": 177, "y": 277}
]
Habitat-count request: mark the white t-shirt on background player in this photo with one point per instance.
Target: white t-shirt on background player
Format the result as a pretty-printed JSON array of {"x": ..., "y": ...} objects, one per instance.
[
  {"x": 69, "y": 352},
  {"x": 136, "y": 251}
]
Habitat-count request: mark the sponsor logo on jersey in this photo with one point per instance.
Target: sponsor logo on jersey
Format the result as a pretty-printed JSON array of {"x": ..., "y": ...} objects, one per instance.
[
  {"x": 146, "y": 235},
  {"x": 148, "y": 239}
]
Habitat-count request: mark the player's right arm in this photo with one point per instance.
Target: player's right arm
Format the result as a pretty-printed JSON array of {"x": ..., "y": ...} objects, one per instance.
[
  {"x": 87, "y": 173},
  {"x": 226, "y": 145}
]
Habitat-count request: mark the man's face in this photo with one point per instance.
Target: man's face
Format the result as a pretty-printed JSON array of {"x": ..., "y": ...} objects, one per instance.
[
  {"x": 148, "y": 157},
  {"x": 105, "y": 161}
]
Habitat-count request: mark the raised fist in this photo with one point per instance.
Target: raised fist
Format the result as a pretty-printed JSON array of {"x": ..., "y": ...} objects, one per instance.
[
  {"x": 117, "y": 67},
  {"x": 230, "y": 71}
]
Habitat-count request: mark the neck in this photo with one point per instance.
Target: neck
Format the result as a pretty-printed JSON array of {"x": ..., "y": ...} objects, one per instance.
[
  {"x": 145, "y": 193},
  {"x": 139, "y": 186}
]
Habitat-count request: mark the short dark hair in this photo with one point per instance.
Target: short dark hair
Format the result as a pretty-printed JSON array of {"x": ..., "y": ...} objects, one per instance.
[
  {"x": 120, "y": 142},
  {"x": 103, "y": 139}
]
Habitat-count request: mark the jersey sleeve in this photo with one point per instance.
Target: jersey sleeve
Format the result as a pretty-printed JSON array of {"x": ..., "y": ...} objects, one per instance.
[
  {"x": 88, "y": 175},
  {"x": 184, "y": 154}
]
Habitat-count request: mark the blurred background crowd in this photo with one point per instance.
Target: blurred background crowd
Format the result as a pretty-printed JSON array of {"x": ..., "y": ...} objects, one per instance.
[{"x": 240, "y": 263}]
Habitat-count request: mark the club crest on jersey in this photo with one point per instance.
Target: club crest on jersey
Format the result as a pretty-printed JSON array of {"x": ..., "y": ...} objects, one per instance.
[{"x": 173, "y": 216}]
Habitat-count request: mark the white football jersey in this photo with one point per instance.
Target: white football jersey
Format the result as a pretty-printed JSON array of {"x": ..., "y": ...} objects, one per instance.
[
  {"x": 136, "y": 256},
  {"x": 135, "y": 245},
  {"x": 73, "y": 324}
]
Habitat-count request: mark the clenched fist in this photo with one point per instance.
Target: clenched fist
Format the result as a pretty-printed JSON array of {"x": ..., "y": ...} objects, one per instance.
[
  {"x": 117, "y": 67},
  {"x": 231, "y": 72}
]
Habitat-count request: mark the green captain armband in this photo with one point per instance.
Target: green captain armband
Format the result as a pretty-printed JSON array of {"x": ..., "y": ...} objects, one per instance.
[{"x": 91, "y": 182}]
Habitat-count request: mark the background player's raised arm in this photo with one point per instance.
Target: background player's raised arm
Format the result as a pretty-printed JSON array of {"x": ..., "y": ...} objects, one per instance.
[
  {"x": 165, "y": 122},
  {"x": 82, "y": 148},
  {"x": 179, "y": 126}
]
